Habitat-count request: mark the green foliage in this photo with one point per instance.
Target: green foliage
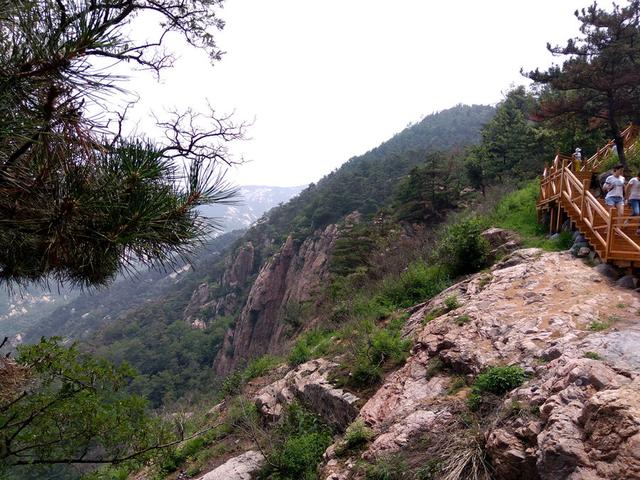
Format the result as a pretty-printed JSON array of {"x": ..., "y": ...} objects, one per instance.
[
  {"x": 430, "y": 471},
  {"x": 79, "y": 202},
  {"x": 390, "y": 468},
  {"x": 495, "y": 380},
  {"x": 312, "y": 344},
  {"x": 352, "y": 249},
  {"x": 296, "y": 445},
  {"x": 68, "y": 403},
  {"x": 500, "y": 380},
  {"x": 451, "y": 302},
  {"x": 417, "y": 283},
  {"x": 517, "y": 211},
  {"x": 357, "y": 435},
  {"x": 376, "y": 347},
  {"x": 429, "y": 190},
  {"x": 260, "y": 366},
  {"x": 461, "y": 249},
  {"x": 462, "y": 320}
]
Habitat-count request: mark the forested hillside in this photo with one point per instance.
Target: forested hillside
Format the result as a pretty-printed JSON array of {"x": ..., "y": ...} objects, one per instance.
[{"x": 171, "y": 357}]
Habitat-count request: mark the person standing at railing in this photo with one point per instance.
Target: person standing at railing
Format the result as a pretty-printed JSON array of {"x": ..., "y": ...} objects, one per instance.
[
  {"x": 633, "y": 194},
  {"x": 614, "y": 186}
]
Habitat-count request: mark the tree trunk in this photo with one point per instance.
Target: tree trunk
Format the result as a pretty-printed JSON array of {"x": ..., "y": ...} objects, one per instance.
[{"x": 615, "y": 133}]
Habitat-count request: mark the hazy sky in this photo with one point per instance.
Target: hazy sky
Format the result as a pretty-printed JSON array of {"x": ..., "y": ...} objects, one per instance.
[{"x": 327, "y": 80}]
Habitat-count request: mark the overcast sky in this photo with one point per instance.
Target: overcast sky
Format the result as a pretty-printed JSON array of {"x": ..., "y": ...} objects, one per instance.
[{"x": 323, "y": 81}]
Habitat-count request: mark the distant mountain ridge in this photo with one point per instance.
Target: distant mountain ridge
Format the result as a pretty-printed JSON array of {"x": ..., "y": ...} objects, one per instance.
[{"x": 253, "y": 202}]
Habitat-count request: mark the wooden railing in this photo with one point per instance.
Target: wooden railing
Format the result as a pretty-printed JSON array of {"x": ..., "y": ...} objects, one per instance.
[{"x": 564, "y": 187}]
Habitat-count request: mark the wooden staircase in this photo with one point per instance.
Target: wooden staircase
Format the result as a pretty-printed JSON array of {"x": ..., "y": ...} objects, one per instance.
[{"x": 565, "y": 193}]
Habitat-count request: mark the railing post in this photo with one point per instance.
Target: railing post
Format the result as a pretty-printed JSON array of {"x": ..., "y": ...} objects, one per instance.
[
  {"x": 612, "y": 213},
  {"x": 585, "y": 184}
]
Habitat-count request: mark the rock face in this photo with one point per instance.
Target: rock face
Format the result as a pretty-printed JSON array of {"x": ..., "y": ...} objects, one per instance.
[
  {"x": 310, "y": 385},
  {"x": 206, "y": 304},
  {"x": 290, "y": 278},
  {"x": 579, "y": 417},
  {"x": 241, "y": 467}
]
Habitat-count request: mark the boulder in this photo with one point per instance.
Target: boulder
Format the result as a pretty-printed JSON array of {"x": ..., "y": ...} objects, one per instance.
[
  {"x": 583, "y": 252},
  {"x": 607, "y": 270},
  {"x": 241, "y": 467},
  {"x": 309, "y": 384},
  {"x": 628, "y": 281}
]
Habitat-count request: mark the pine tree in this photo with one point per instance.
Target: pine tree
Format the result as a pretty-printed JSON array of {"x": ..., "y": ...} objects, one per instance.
[
  {"x": 601, "y": 78},
  {"x": 79, "y": 199}
]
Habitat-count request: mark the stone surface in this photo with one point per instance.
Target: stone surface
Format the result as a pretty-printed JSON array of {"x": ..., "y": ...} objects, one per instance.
[
  {"x": 241, "y": 467},
  {"x": 531, "y": 308},
  {"x": 628, "y": 281},
  {"x": 607, "y": 271},
  {"x": 583, "y": 252},
  {"x": 310, "y": 385},
  {"x": 292, "y": 276}
]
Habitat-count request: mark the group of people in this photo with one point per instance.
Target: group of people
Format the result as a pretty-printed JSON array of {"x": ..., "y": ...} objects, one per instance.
[{"x": 617, "y": 190}]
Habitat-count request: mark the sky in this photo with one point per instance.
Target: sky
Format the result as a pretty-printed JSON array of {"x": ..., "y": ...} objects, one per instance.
[{"x": 321, "y": 82}]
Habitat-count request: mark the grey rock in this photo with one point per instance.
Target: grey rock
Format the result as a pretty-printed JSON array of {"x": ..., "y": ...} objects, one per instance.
[
  {"x": 554, "y": 236},
  {"x": 241, "y": 467},
  {"x": 607, "y": 270},
  {"x": 309, "y": 383},
  {"x": 628, "y": 281},
  {"x": 583, "y": 252}
]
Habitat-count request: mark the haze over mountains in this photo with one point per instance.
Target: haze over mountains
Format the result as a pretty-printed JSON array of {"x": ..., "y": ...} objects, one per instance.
[{"x": 22, "y": 311}]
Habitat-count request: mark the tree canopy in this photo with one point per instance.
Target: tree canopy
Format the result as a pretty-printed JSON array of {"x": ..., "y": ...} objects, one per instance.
[
  {"x": 601, "y": 78},
  {"x": 79, "y": 198}
]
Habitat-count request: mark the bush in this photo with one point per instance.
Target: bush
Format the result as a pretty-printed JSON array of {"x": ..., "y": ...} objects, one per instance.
[
  {"x": 451, "y": 302},
  {"x": 500, "y": 380},
  {"x": 297, "y": 445},
  {"x": 260, "y": 366},
  {"x": 357, "y": 434},
  {"x": 386, "y": 345},
  {"x": 312, "y": 344},
  {"x": 416, "y": 284},
  {"x": 391, "y": 468},
  {"x": 461, "y": 249}
]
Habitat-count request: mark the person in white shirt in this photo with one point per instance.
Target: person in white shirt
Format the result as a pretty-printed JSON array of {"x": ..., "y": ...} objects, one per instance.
[
  {"x": 633, "y": 194},
  {"x": 614, "y": 186}
]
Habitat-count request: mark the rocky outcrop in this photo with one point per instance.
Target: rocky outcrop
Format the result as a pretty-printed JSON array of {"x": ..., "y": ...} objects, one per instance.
[
  {"x": 309, "y": 383},
  {"x": 290, "y": 278},
  {"x": 207, "y": 302},
  {"x": 241, "y": 467},
  {"x": 576, "y": 418}
]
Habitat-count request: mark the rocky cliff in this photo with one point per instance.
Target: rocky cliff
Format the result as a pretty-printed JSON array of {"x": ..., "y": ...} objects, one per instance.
[{"x": 291, "y": 279}]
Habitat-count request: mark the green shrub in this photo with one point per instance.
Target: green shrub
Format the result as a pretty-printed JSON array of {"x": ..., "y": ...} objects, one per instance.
[
  {"x": 500, "y": 380},
  {"x": 232, "y": 384},
  {"x": 356, "y": 435},
  {"x": 260, "y": 366},
  {"x": 387, "y": 345},
  {"x": 297, "y": 444},
  {"x": 592, "y": 355},
  {"x": 451, "y": 302},
  {"x": 364, "y": 373},
  {"x": 416, "y": 284},
  {"x": 461, "y": 249},
  {"x": 430, "y": 471},
  {"x": 312, "y": 344},
  {"x": 462, "y": 320},
  {"x": 390, "y": 468}
]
